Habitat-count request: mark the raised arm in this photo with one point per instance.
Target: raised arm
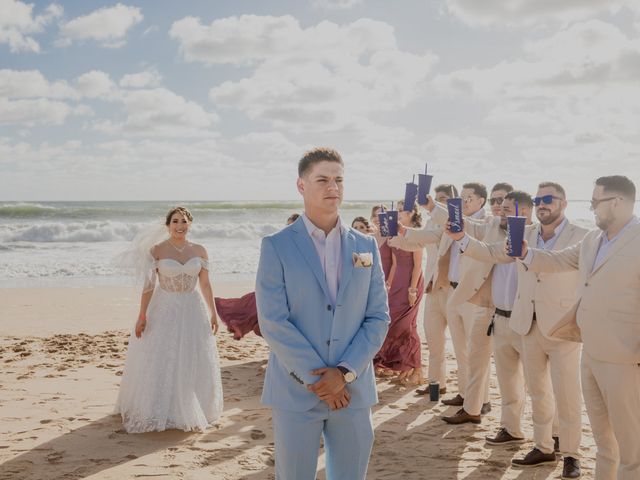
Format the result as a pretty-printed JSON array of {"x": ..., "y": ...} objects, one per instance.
[
  {"x": 475, "y": 228},
  {"x": 484, "y": 252},
  {"x": 373, "y": 330},
  {"x": 551, "y": 261},
  {"x": 284, "y": 338},
  {"x": 416, "y": 238}
]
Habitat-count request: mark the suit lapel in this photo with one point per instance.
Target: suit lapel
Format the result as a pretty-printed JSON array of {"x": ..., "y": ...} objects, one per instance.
[
  {"x": 565, "y": 236},
  {"x": 308, "y": 251},
  {"x": 348, "y": 248},
  {"x": 629, "y": 235}
]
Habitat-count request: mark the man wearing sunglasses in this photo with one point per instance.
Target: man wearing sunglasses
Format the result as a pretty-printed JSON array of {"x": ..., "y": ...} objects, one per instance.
[
  {"x": 498, "y": 192},
  {"x": 606, "y": 318},
  {"x": 542, "y": 300}
]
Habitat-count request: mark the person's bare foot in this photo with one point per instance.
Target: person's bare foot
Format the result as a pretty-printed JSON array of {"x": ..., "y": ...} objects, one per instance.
[{"x": 415, "y": 378}]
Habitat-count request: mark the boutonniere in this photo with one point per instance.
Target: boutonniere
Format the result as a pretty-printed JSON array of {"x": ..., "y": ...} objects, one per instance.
[{"x": 362, "y": 260}]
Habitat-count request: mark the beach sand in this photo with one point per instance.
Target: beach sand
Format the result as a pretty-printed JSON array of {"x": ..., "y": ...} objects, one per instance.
[{"x": 62, "y": 352}]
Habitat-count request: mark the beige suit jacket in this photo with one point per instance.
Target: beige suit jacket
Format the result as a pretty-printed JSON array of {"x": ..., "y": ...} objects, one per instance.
[
  {"x": 550, "y": 295},
  {"x": 475, "y": 276},
  {"x": 417, "y": 239},
  {"x": 607, "y": 313}
]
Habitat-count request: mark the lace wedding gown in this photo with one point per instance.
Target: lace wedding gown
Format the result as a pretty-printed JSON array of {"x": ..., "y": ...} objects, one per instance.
[{"x": 171, "y": 376}]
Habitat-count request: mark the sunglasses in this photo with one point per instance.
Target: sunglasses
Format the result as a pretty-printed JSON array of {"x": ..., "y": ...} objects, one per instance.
[
  {"x": 496, "y": 201},
  {"x": 597, "y": 201},
  {"x": 546, "y": 199}
]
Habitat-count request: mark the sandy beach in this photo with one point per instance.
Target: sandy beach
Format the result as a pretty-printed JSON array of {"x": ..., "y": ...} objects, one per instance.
[{"x": 62, "y": 352}]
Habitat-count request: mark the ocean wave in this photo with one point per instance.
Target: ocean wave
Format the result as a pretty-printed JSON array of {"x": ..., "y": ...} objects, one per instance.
[{"x": 109, "y": 231}]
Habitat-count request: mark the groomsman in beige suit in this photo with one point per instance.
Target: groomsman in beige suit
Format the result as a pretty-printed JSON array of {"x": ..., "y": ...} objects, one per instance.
[
  {"x": 434, "y": 319},
  {"x": 606, "y": 317},
  {"x": 542, "y": 300},
  {"x": 507, "y": 344},
  {"x": 471, "y": 306},
  {"x": 445, "y": 278}
]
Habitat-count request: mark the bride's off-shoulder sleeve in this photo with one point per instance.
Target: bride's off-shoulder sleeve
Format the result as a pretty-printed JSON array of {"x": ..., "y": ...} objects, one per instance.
[{"x": 205, "y": 263}]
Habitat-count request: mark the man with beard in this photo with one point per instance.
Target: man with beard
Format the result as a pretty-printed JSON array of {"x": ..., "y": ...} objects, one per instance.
[
  {"x": 605, "y": 316},
  {"x": 542, "y": 300}
]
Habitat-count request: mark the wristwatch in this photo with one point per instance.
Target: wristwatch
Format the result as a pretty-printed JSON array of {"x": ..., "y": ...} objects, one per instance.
[{"x": 347, "y": 374}]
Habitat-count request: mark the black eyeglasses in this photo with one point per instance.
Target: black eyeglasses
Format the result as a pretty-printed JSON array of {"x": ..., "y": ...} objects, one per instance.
[
  {"x": 546, "y": 199},
  {"x": 597, "y": 201},
  {"x": 496, "y": 201}
]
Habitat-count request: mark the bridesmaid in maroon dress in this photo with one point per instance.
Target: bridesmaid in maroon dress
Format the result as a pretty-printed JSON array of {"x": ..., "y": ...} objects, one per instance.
[
  {"x": 240, "y": 315},
  {"x": 400, "y": 352}
]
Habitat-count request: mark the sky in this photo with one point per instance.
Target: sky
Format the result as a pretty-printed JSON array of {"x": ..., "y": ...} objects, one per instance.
[{"x": 218, "y": 99}]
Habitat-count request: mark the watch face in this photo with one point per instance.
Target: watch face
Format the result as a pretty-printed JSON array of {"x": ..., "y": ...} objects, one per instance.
[{"x": 349, "y": 377}]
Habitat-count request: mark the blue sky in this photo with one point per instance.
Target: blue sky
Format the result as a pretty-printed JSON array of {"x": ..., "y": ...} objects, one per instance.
[{"x": 218, "y": 99}]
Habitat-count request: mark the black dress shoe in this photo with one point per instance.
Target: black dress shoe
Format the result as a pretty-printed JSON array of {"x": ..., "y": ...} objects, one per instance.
[
  {"x": 456, "y": 401},
  {"x": 486, "y": 408},
  {"x": 556, "y": 444},
  {"x": 571, "y": 468},
  {"x": 462, "y": 417},
  {"x": 534, "y": 458},
  {"x": 503, "y": 438}
]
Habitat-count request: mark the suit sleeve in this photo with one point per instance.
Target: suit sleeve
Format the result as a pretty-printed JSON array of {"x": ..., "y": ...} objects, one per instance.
[
  {"x": 416, "y": 239},
  {"x": 370, "y": 336},
  {"x": 285, "y": 340},
  {"x": 488, "y": 253},
  {"x": 556, "y": 261},
  {"x": 475, "y": 228}
]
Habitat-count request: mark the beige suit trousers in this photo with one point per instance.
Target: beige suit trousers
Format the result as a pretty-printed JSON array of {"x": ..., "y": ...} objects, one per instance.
[
  {"x": 612, "y": 397},
  {"x": 461, "y": 320},
  {"x": 554, "y": 362},
  {"x": 435, "y": 325},
  {"x": 507, "y": 354},
  {"x": 479, "y": 360}
]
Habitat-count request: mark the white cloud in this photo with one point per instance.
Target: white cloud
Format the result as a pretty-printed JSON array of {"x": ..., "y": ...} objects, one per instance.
[
  {"x": 17, "y": 24},
  {"x": 336, "y": 4},
  {"x": 95, "y": 84},
  {"x": 33, "y": 111},
  {"x": 447, "y": 146},
  {"x": 32, "y": 84},
  {"x": 533, "y": 13},
  {"x": 162, "y": 113},
  {"x": 149, "y": 78},
  {"x": 324, "y": 77},
  {"x": 107, "y": 25}
]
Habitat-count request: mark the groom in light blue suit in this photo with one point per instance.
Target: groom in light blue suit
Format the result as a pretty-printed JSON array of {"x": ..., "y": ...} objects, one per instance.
[{"x": 322, "y": 308}]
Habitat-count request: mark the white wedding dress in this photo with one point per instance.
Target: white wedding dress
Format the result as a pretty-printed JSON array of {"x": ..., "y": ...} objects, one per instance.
[{"x": 171, "y": 376}]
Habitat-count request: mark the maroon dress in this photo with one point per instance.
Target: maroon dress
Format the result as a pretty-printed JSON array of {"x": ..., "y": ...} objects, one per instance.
[
  {"x": 401, "y": 348},
  {"x": 240, "y": 315},
  {"x": 385, "y": 258}
]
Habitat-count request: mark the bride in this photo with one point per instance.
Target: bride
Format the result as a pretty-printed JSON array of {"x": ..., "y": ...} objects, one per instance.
[{"x": 171, "y": 376}]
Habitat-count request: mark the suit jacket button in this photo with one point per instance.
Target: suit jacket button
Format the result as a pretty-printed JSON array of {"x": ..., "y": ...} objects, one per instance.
[
  {"x": 329, "y": 307},
  {"x": 586, "y": 284},
  {"x": 538, "y": 280},
  {"x": 328, "y": 342}
]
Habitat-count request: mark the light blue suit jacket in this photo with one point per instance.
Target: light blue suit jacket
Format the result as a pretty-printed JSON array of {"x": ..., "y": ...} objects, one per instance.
[{"x": 304, "y": 330}]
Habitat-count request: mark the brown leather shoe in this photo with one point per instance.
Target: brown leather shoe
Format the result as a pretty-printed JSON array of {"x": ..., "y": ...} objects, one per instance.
[
  {"x": 571, "y": 468},
  {"x": 486, "y": 408},
  {"x": 462, "y": 417},
  {"x": 425, "y": 390},
  {"x": 503, "y": 438},
  {"x": 456, "y": 401},
  {"x": 534, "y": 458}
]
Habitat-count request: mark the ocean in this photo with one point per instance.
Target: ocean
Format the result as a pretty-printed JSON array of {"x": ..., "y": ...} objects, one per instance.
[{"x": 75, "y": 243}]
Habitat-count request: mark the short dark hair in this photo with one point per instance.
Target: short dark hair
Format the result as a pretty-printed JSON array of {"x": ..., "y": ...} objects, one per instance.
[
  {"x": 317, "y": 155},
  {"x": 507, "y": 187},
  {"x": 182, "y": 211},
  {"x": 618, "y": 184},
  {"x": 293, "y": 217},
  {"x": 479, "y": 189},
  {"x": 361, "y": 220},
  {"x": 446, "y": 188},
  {"x": 554, "y": 185},
  {"x": 523, "y": 198}
]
